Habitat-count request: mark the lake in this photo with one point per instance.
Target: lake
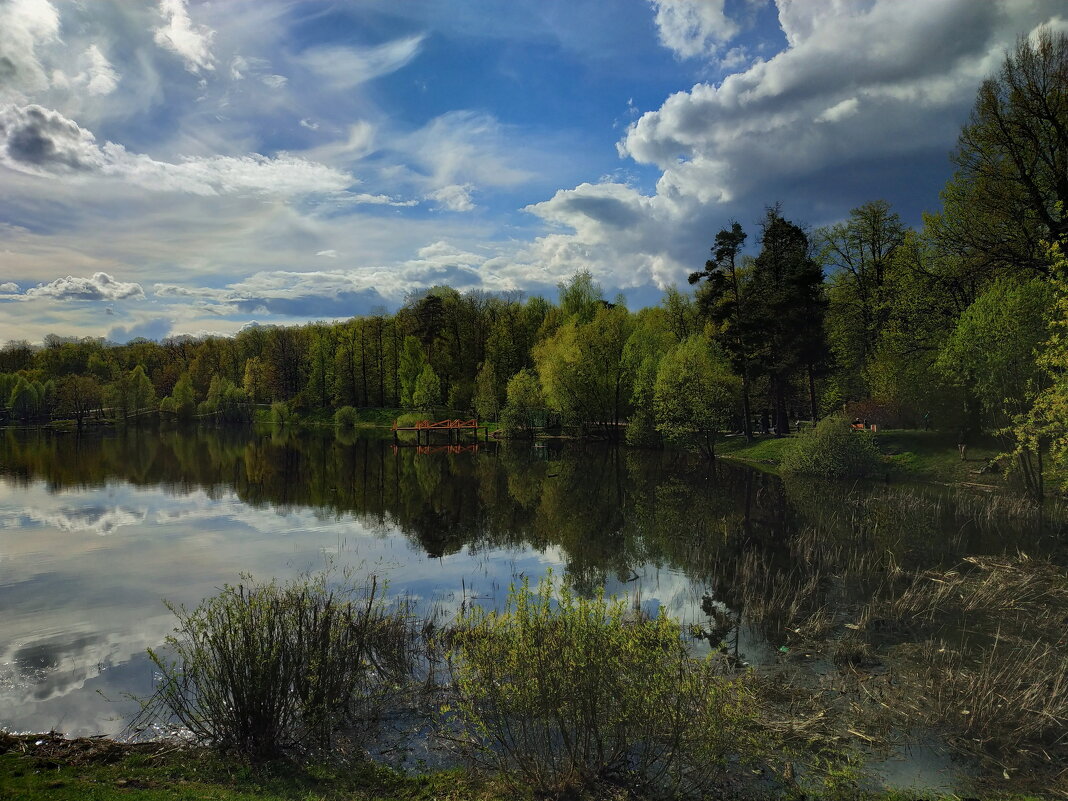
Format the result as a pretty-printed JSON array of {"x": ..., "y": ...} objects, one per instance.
[{"x": 98, "y": 530}]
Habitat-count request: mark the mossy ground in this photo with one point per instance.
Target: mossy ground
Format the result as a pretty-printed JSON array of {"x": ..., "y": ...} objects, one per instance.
[
  {"x": 924, "y": 455},
  {"x": 100, "y": 770}
]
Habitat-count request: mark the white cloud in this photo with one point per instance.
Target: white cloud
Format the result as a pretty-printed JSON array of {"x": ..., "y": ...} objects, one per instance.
[
  {"x": 880, "y": 78},
  {"x": 347, "y": 67},
  {"x": 454, "y": 197},
  {"x": 43, "y": 142},
  {"x": 839, "y": 111},
  {"x": 330, "y": 254},
  {"x": 274, "y": 81},
  {"x": 100, "y": 77},
  {"x": 9, "y": 287},
  {"x": 693, "y": 27},
  {"x": 100, "y": 287},
  {"x": 25, "y": 25},
  {"x": 179, "y": 35}
]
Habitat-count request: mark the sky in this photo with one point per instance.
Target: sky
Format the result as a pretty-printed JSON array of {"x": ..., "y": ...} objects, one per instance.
[{"x": 173, "y": 167}]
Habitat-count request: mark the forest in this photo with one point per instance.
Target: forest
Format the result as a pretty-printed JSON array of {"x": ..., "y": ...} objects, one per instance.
[{"x": 958, "y": 324}]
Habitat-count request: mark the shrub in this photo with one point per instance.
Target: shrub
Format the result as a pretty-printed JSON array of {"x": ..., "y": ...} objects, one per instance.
[
  {"x": 560, "y": 696},
  {"x": 832, "y": 450},
  {"x": 281, "y": 414},
  {"x": 345, "y": 417},
  {"x": 268, "y": 670}
]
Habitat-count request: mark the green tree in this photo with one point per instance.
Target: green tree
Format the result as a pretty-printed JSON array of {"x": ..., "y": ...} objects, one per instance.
[
  {"x": 1009, "y": 195},
  {"x": 412, "y": 361},
  {"x": 583, "y": 370},
  {"x": 24, "y": 401},
  {"x": 1047, "y": 423},
  {"x": 859, "y": 255},
  {"x": 524, "y": 402},
  {"x": 993, "y": 353},
  {"x": 487, "y": 396},
  {"x": 255, "y": 381},
  {"x": 785, "y": 313},
  {"x": 723, "y": 300},
  {"x": 141, "y": 392},
  {"x": 427, "y": 391},
  {"x": 580, "y": 297},
  {"x": 184, "y": 398},
  {"x": 79, "y": 395},
  {"x": 696, "y": 395}
]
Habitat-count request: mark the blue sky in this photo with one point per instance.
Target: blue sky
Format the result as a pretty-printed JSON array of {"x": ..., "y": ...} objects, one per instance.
[{"x": 182, "y": 167}]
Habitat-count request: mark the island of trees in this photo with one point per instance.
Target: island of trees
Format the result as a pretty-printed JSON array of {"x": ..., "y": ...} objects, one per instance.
[{"x": 960, "y": 324}]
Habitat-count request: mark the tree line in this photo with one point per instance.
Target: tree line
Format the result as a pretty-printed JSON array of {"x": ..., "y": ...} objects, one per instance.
[{"x": 957, "y": 324}]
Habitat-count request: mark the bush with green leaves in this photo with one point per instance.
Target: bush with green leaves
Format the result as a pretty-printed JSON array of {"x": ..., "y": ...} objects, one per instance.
[
  {"x": 345, "y": 417},
  {"x": 832, "y": 450},
  {"x": 268, "y": 670},
  {"x": 560, "y": 693},
  {"x": 282, "y": 415}
]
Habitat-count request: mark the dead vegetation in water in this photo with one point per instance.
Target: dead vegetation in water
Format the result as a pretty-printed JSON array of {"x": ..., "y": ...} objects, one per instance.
[{"x": 1008, "y": 701}]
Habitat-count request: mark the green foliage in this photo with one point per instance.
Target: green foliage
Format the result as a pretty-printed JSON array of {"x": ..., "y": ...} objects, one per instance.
[
  {"x": 226, "y": 401},
  {"x": 282, "y": 415},
  {"x": 580, "y": 297},
  {"x": 182, "y": 400},
  {"x": 269, "y": 670},
  {"x": 561, "y": 692},
  {"x": 695, "y": 395},
  {"x": 412, "y": 362},
  {"x": 1046, "y": 424},
  {"x": 426, "y": 393},
  {"x": 487, "y": 396},
  {"x": 345, "y": 417},
  {"x": 860, "y": 255},
  {"x": 24, "y": 400},
  {"x": 524, "y": 401},
  {"x": 993, "y": 353},
  {"x": 584, "y": 373},
  {"x": 832, "y": 450}
]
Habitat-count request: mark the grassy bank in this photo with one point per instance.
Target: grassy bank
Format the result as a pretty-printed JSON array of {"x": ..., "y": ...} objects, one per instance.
[
  {"x": 923, "y": 455},
  {"x": 35, "y": 768},
  {"x": 49, "y": 768}
]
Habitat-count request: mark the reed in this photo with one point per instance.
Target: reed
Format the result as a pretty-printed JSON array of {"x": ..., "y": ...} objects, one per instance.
[{"x": 268, "y": 670}]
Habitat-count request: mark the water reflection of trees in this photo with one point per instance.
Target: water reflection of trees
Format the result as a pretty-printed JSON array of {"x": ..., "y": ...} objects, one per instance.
[
  {"x": 607, "y": 510},
  {"x": 778, "y": 552}
]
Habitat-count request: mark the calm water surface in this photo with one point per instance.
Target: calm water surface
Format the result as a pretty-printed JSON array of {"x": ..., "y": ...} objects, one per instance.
[{"x": 96, "y": 531}]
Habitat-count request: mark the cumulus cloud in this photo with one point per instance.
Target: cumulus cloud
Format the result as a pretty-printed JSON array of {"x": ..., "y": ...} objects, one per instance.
[
  {"x": 25, "y": 25},
  {"x": 346, "y": 67},
  {"x": 912, "y": 67},
  {"x": 43, "y": 142},
  {"x": 454, "y": 197},
  {"x": 693, "y": 27},
  {"x": 155, "y": 328},
  {"x": 40, "y": 141},
  {"x": 192, "y": 43},
  {"x": 9, "y": 287},
  {"x": 100, "y": 287}
]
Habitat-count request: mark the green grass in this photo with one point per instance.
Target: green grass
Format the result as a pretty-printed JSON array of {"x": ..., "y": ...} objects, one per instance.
[
  {"x": 933, "y": 456},
  {"x": 98, "y": 770},
  {"x": 766, "y": 449},
  {"x": 199, "y": 774},
  {"x": 924, "y": 455}
]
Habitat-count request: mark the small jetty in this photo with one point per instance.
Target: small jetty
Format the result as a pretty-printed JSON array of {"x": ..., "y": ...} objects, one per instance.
[{"x": 454, "y": 431}]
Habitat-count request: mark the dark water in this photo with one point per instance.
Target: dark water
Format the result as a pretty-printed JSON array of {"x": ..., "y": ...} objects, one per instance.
[{"x": 95, "y": 531}]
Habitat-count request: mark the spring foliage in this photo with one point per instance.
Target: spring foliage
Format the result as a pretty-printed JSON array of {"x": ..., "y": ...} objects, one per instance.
[
  {"x": 832, "y": 450},
  {"x": 559, "y": 692},
  {"x": 265, "y": 670}
]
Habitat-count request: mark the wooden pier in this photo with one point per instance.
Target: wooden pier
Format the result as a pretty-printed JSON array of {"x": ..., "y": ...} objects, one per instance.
[{"x": 454, "y": 429}]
